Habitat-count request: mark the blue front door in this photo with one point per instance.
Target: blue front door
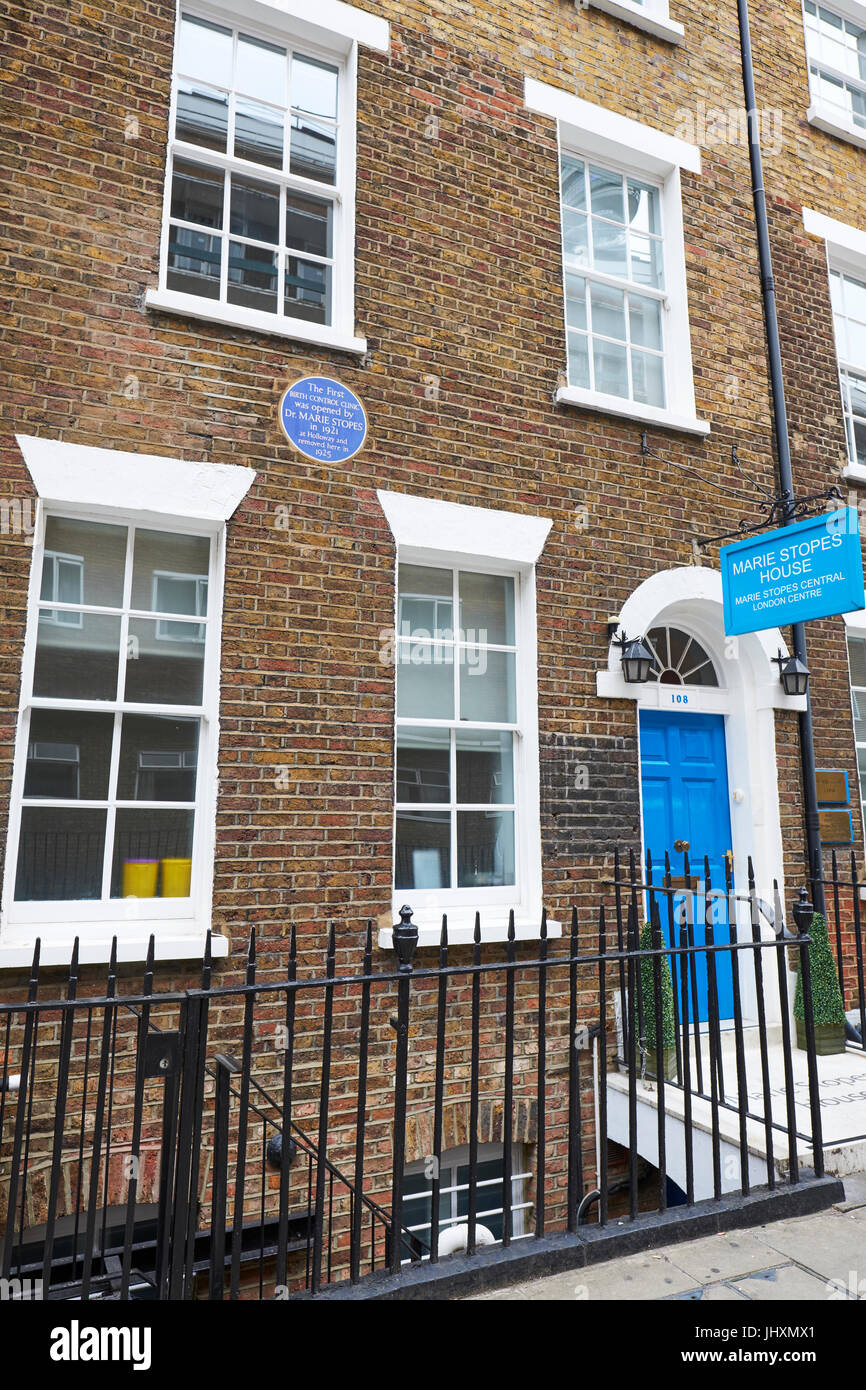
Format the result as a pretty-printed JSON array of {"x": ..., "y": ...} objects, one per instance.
[{"x": 684, "y": 780}]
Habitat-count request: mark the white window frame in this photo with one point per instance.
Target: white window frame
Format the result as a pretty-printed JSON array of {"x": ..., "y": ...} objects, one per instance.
[
  {"x": 331, "y": 35},
  {"x": 592, "y": 276},
  {"x": 820, "y": 114},
  {"x": 439, "y": 900},
  {"x": 653, "y": 16},
  {"x": 483, "y": 540},
  {"x": 845, "y": 250},
  {"x": 128, "y": 489},
  {"x": 596, "y": 134}
]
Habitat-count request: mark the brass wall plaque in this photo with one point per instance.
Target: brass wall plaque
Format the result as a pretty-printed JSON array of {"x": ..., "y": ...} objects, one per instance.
[
  {"x": 836, "y": 827},
  {"x": 831, "y": 786}
]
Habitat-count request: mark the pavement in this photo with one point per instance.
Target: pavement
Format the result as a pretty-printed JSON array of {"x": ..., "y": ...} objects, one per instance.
[{"x": 806, "y": 1258}]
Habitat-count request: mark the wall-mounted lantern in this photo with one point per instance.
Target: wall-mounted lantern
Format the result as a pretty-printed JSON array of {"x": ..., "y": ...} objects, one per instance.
[{"x": 793, "y": 673}]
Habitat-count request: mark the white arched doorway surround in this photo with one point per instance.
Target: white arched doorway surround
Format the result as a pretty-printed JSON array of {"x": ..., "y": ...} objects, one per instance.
[{"x": 748, "y": 694}]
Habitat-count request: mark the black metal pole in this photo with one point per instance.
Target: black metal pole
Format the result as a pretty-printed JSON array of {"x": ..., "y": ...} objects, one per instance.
[{"x": 780, "y": 419}]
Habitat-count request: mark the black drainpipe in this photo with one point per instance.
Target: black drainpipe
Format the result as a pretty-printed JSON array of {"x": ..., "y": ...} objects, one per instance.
[{"x": 780, "y": 418}]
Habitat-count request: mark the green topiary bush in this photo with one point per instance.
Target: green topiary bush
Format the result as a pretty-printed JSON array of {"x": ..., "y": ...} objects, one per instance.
[
  {"x": 648, "y": 998},
  {"x": 827, "y": 1004}
]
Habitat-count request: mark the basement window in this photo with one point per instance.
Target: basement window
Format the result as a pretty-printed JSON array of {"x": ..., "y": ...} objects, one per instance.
[{"x": 454, "y": 1195}]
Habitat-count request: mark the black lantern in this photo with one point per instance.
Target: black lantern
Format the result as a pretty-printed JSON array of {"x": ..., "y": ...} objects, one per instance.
[
  {"x": 794, "y": 674},
  {"x": 637, "y": 659}
]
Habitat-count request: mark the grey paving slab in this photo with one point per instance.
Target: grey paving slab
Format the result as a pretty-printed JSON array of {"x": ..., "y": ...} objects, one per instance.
[
  {"x": 723, "y": 1256},
  {"x": 855, "y": 1192},
  {"x": 782, "y": 1283},
  {"x": 832, "y": 1243}
]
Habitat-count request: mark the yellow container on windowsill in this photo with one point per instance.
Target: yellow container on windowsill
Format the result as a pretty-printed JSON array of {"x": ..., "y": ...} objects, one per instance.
[
  {"x": 176, "y": 874},
  {"x": 139, "y": 878}
]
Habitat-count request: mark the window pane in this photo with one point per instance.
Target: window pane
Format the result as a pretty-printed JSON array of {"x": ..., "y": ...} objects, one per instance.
[
  {"x": 609, "y": 250},
  {"x": 159, "y": 555},
  {"x": 578, "y": 360},
  {"x": 194, "y": 260},
  {"x": 425, "y": 602},
  {"x": 258, "y": 133},
  {"x": 314, "y": 87},
  {"x": 606, "y": 194},
  {"x": 486, "y": 608},
  {"x": 423, "y": 765},
  {"x": 202, "y": 116},
  {"x": 308, "y": 290},
  {"x": 485, "y": 767},
  {"x": 68, "y": 755},
  {"x": 308, "y": 224},
  {"x": 646, "y": 262},
  {"x": 163, "y": 666},
  {"x": 645, "y": 321},
  {"x": 608, "y": 311},
  {"x": 152, "y": 854},
  {"x": 575, "y": 301},
  {"x": 857, "y": 658},
  {"x": 611, "y": 371},
  {"x": 76, "y": 663},
  {"x": 205, "y": 50},
  {"x": 60, "y": 854},
  {"x": 423, "y": 851},
  {"x": 643, "y": 207},
  {"x": 255, "y": 209},
  {"x": 261, "y": 70},
  {"x": 573, "y": 183},
  {"x": 252, "y": 277},
  {"x": 485, "y": 849},
  {"x": 575, "y": 245},
  {"x": 648, "y": 380},
  {"x": 103, "y": 551},
  {"x": 313, "y": 150},
  {"x": 858, "y": 702},
  {"x": 158, "y": 759},
  {"x": 425, "y": 681},
  {"x": 855, "y": 298},
  {"x": 487, "y": 686},
  {"x": 197, "y": 193}
]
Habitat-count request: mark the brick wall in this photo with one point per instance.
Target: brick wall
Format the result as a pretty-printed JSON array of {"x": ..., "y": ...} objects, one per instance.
[{"x": 458, "y": 278}]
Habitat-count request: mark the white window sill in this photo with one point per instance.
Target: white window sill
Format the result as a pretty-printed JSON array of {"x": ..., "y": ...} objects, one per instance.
[
  {"x": 252, "y": 321},
  {"x": 463, "y": 934},
  {"x": 96, "y": 949},
  {"x": 854, "y": 473},
  {"x": 630, "y": 410},
  {"x": 834, "y": 124},
  {"x": 661, "y": 27}
]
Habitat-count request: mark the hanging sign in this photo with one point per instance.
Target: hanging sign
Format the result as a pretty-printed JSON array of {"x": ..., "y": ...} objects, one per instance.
[
  {"x": 811, "y": 569},
  {"x": 323, "y": 419}
]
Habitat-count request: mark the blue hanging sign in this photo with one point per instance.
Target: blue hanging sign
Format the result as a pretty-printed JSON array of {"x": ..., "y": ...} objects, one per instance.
[
  {"x": 812, "y": 569},
  {"x": 323, "y": 419}
]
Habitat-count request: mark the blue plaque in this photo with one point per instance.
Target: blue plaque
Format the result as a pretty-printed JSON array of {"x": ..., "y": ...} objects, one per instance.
[
  {"x": 323, "y": 419},
  {"x": 811, "y": 569}
]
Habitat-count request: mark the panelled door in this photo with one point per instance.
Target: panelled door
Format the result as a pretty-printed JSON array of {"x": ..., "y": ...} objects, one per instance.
[{"x": 684, "y": 781}]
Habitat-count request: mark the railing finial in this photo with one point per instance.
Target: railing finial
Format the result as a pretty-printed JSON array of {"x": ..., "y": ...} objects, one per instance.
[{"x": 405, "y": 938}]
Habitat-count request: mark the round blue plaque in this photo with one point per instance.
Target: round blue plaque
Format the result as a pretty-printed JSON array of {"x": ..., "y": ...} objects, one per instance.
[{"x": 323, "y": 419}]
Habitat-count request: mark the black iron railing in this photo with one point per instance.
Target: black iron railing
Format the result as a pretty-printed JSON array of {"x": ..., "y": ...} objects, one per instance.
[{"x": 253, "y": 1140}]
